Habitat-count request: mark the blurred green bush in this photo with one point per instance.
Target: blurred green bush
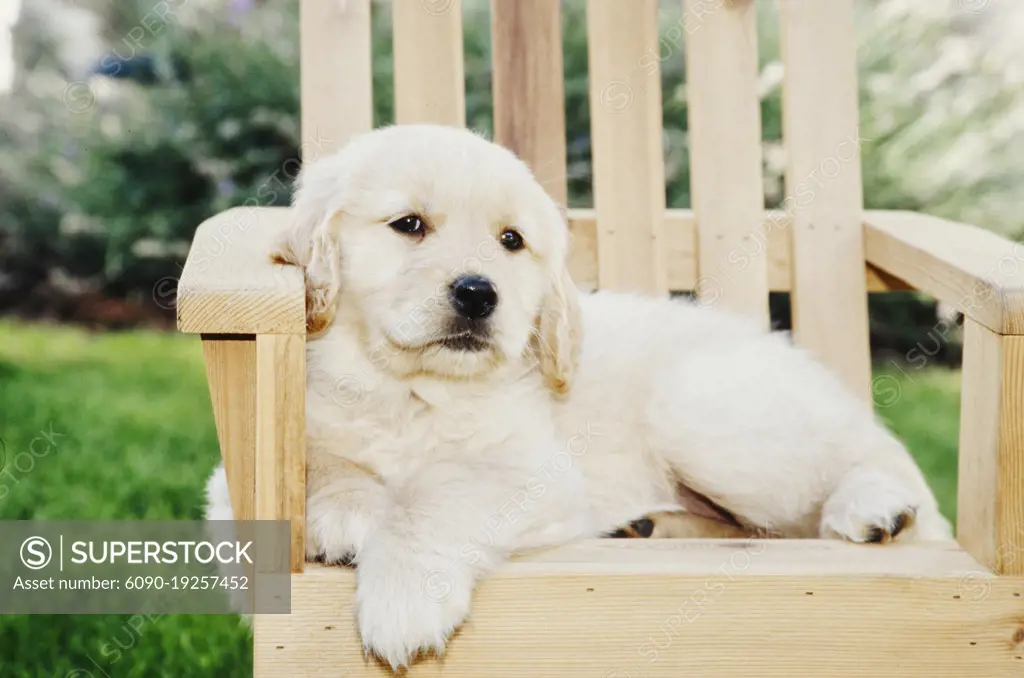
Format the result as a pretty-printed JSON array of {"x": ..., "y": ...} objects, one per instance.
[{"x": 102, "y": 184}]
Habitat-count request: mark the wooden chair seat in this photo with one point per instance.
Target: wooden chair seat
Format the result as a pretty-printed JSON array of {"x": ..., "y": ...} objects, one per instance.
[{"x": 637, "y": 608}]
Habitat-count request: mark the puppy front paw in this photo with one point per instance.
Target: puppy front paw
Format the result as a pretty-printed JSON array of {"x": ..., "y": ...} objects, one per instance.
[
  {"x": 408, "y": 606},
  {"x": 334, "y": 535}
]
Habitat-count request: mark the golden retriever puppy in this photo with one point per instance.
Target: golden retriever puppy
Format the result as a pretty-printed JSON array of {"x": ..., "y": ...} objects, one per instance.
[{"x": 466, "y": 402}]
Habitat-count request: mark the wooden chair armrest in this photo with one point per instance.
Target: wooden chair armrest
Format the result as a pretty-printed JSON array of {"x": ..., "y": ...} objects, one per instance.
[
  {"x": 252, "y": 315},
  {"x": 978, "y": 272},
  {"x": 230, "y": 286}
]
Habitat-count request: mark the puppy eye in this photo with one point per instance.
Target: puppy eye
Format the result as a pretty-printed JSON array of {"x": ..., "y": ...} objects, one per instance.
[
  {"x": 410, "y": 224},
  {"x": 512, "y": 240}
]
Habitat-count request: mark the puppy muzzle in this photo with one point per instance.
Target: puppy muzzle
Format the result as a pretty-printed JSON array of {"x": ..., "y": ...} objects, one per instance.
[{"x": 467, "y": 334}]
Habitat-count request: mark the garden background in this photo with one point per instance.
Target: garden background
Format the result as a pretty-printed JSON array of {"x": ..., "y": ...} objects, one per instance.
[{"x": 123, "y": 125}]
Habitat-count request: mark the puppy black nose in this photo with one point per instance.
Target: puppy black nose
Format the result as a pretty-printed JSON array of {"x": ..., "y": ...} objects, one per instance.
[{"x": 474, "y": 296}]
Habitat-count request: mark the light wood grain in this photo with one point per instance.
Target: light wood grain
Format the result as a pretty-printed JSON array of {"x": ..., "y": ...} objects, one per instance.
[
  {"x": 231, "y": 374},
  {"x": 974, "y": 270},
  {"x": 625, "y": 123},
  {"x": 823, "y": 185},
  {"x": 428, "y": 62},
  {"x": 529, "y": 90},
  {"x": 336, "y": 75},
  {"x": 679, "y": 249},
  {"x": 230, "y": 286},
  {"x": 281, "y": 435},
  {"x": 1010, "y": 489},
  {"x": 811, "y": 557},
  {"x": 679, "y": 252},
  {"x": 977, "y": 487},
  {"x": 736, "y": 609},
  {"x": 726, "y": 181},
  {"x": 990, "y": 502}
]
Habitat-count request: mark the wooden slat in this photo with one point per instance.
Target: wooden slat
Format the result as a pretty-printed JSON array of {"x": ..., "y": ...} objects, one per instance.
[
  {"x": 231, "y": 375},
  {"x": 726, "y": 180},
  {"x": 680, "y": 254},
  {"x": 974, "y": 270},
  {"x": 429, "y": 71},
  {"x": 823, "y": 185},
  {"x": 281, "y": 435},
  {"x": 230, "y": 286},
  {"x": 810, "y": 557},
  {"x": 679, "y": 248},
  {"x": 529, "y": 90},
  {"x": 990, "y": 503},
  {"x": 687, "y": 607},
  {"x": 336, "y": 75},
  {"x": 625, "y": 122},
  {"x": 978, "y": 459}
]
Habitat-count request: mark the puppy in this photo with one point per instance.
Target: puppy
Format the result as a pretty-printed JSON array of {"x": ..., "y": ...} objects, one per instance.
[{"x": 466, "y": 403}]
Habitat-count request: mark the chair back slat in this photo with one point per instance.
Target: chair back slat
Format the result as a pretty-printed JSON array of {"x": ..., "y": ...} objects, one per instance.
[
  {"x": 823, "y": 185},
  {"x": 628, "y": 162},
  {"x": 728, "y": 251},
  {"x": 529, "y": 88},
  {"x": 726, "y": 181},
  {"x": 428, "y": 61},
  {"x": 335, "y": 78}
]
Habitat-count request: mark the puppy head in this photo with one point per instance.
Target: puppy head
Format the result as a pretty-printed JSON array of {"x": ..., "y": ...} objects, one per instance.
[{"x": 443, "y": 251}]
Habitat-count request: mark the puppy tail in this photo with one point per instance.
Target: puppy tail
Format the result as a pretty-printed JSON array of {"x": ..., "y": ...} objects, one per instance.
[
  {"x": 218, "y": 515},
  {"x": 218, "y": 496}
]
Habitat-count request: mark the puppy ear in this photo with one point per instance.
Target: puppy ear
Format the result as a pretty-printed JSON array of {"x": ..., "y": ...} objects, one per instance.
[
  {"x": 559, "y": 333},
  {"x": 323, "y": 279},
  {"x": 311, "y": 242}
]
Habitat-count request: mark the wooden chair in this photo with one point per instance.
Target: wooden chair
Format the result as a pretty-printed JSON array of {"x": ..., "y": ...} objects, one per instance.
[{"x": 618, "y": 608}]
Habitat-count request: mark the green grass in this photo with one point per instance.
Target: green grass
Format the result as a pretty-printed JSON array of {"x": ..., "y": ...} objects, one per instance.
[
  {"x": 925, "y": 414},
  {"x": 137, "y": 441}
]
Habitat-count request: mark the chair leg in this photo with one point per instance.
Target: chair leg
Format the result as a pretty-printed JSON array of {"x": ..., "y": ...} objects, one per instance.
[
  {"x": 231, "y": 374},
  {"x": 990, "y": 502},
  {"x": 281, "y": 435}
]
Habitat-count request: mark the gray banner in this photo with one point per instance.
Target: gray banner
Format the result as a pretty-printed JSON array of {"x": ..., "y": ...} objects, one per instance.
[{"x": 147, "y": 567}]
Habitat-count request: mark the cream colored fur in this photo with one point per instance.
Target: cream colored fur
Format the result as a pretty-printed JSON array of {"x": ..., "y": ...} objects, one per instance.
[{"x": 431, "y": 466}]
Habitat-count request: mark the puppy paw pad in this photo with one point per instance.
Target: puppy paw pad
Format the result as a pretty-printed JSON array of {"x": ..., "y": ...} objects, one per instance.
[
  {"x": 347, "y": 559},
  {"x": 638, "y": 529}
]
